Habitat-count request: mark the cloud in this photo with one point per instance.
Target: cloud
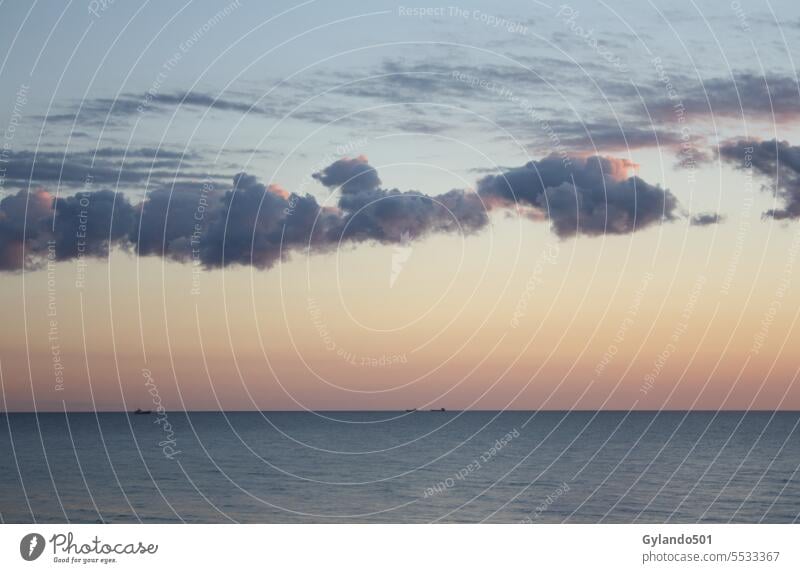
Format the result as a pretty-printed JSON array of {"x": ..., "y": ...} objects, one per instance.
[
  {"x": 590, "y": 195},
  {"x": 519, "y": 101},
  {"x": 105, "y": 166},
  {"x": 100, "y": 110},
  {"x": 611, "y": 136},
  {"x": 352, "y": 176},
  {"x": 250, "y": 223},
  {"x": 705, "y": 219},
  {"x": 35, "y": 225},
  {"x": 418, "y": 126},
  {"x": 256, "y": 225},
  {"x": 744, "y": 95},
  {"x": 386, "y": 215},
  {"x": 777, "y": 160},
  {"x": 165, "y": 222}
]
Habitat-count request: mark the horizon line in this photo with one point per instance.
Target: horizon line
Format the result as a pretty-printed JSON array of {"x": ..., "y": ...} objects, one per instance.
[{"x": 431, "y": 411}]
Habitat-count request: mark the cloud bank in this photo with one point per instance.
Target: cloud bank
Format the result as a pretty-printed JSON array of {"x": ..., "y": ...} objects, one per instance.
[{"x": 254, "y": 224}]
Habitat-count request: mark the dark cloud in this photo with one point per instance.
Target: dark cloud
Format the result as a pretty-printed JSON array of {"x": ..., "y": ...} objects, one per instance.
[
  {"x": 389, "y": 215},
  {"x": 243, "y": 225},
  {"x": 34, "y": 226},
  {"x": 592, "y": 195},
  {"x": 166, "y": 221},
  {"x": 257, "y": 225},
  {"x": 777, "y": 160},
  {"x": 705, "y": 219},
  {"x": 249, "y": 223},
  {"x": 23, "y": 219},
  {"x": 89, "y": 223},
  {"x": 352, "y": 176}
]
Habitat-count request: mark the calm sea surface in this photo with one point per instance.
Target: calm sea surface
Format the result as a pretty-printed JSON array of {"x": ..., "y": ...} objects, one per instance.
[{"x": 401, "y": 467}]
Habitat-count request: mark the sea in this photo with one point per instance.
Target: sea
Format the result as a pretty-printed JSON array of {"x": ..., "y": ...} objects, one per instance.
[{"x": 400, "y": 467}]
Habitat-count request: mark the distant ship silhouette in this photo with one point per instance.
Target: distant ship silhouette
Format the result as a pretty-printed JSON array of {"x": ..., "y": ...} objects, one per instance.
[
  {"x": 139, "y": 412},
  {"x": 431, "y": 410}
]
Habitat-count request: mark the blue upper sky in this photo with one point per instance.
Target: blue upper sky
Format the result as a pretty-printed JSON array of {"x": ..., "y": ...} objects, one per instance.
[{"x": 311, "y": 76}]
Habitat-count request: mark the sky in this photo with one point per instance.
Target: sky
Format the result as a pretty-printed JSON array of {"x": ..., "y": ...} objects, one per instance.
[{"x": 383, "y": 206}]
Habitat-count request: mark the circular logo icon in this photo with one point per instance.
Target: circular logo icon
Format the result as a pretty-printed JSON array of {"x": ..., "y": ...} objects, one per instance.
[{"x": 31, "y": 546}]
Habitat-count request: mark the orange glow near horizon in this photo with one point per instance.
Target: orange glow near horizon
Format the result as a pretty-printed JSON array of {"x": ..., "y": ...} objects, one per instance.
[{"x": 511, "y": 318}]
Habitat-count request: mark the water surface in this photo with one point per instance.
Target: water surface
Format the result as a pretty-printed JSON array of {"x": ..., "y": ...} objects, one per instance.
[{"x": 401, "y": 467}]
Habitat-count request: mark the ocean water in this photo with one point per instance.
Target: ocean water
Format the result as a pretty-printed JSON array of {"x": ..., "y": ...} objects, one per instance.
[{"x": 512, "y": 467}]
